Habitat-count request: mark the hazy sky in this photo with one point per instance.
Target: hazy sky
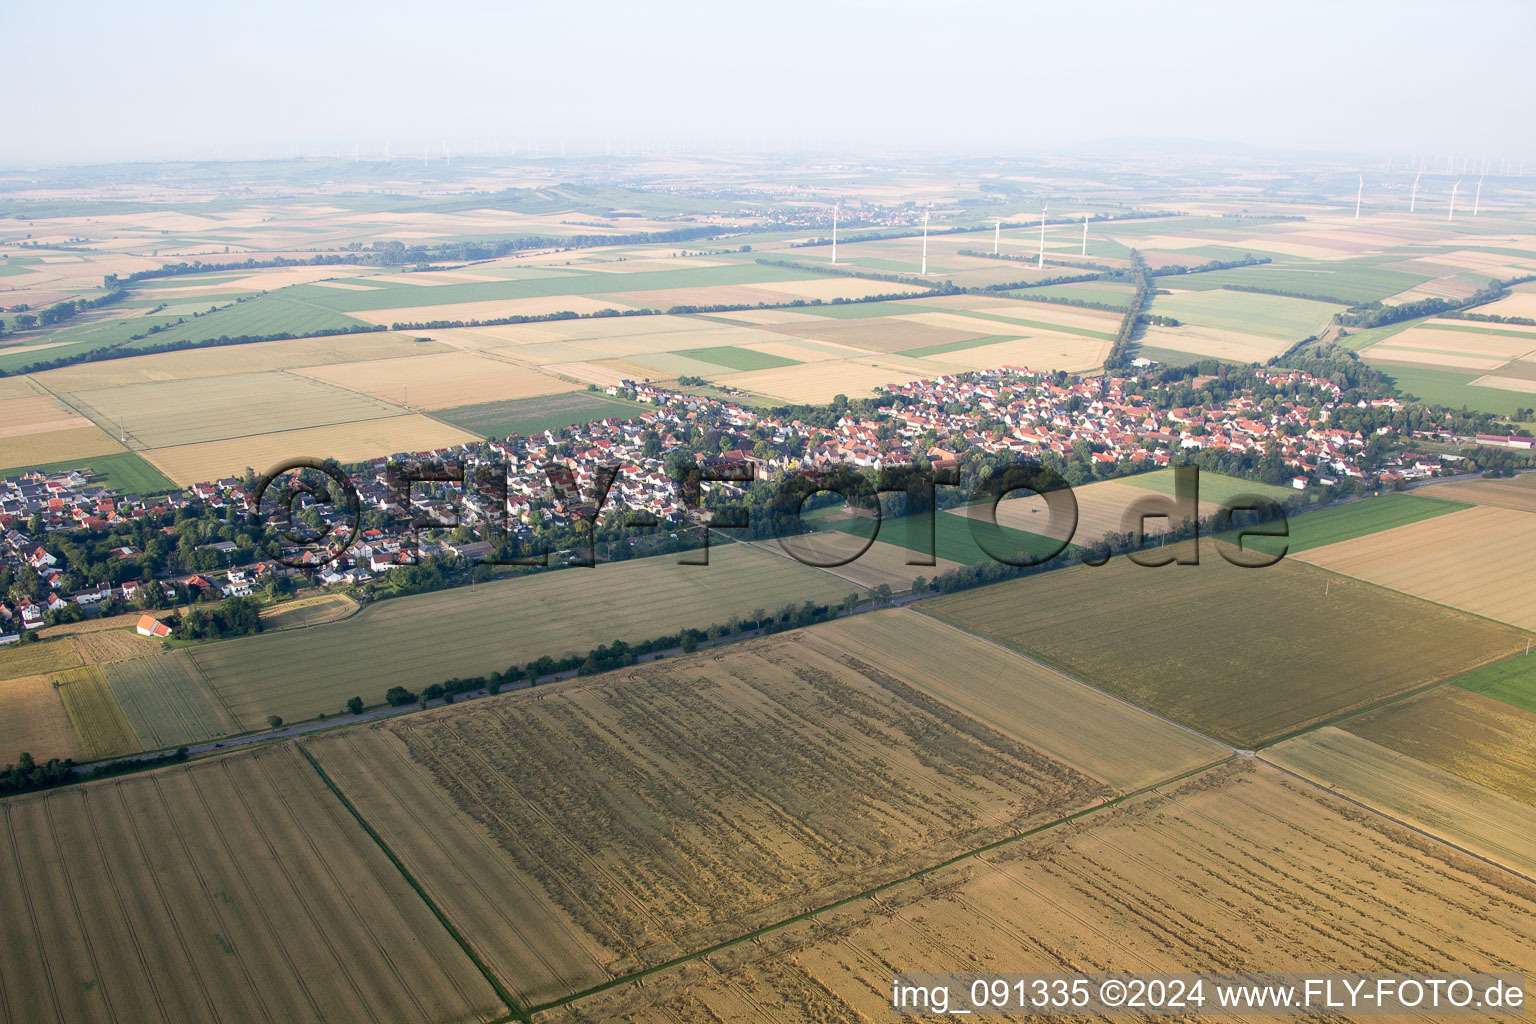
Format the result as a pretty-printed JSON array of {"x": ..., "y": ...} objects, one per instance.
[{"x": 103, "y": 81}]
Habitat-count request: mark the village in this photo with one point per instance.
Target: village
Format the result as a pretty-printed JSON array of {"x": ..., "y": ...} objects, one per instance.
[{"x": 1118, "y": 423}]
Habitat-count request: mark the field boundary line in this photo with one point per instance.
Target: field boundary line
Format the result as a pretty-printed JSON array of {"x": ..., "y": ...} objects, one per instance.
[
  {"x": 516, "y": 1012},
  {"x": 882, "y": 887}
]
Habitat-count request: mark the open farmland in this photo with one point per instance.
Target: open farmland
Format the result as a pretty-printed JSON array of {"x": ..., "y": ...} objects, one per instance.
[
  {"x": 345, "y": 442},
  {"x": 437, "y": 381},
  {"x": 1272, "y": 316},
  {"x": 124, "y": 472},
  {"x": 259, "y": 316},
  {"x": 1237, "y": 870},
  {"x": 75, "y": 445},
  {"x": 300, "y": 673},
  {"x": 1475, "y": 817},
  {"x": 169, "y": 413},
  {"x": 697, "y": 799},
  {"x": 33, "y": 659},
  {"x": 228, "y": 359},
  {"x": 1182, "y": 640},
  {"x": 238, "y": 889},
  {"x": 1353, "y": 519},
  {"x": 166, "y": 702},
  {"x": 94, "y": 714},
  {"x": 1512, "y": 681},
  {"x": 307, "y": 611},
  {"x": 1481, "y": 739},
  {"x": 881, "y": 563},
  {"x": 1464, "y": 560},
  {"x": 33, "y": 720},
  {"x": 535, "y": 415},
  {"x": 1515, "y": 492}
]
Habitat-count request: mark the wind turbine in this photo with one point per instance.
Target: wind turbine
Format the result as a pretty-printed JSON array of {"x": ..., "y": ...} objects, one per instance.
[
  {"x": 357, "y": 157},
  {"x": 834, "y": 234},
  {"x": 426, "y": 153},
  {"x": 1085, "y": 234},
  {"x": 925, "y": 244},
  {"x": 386, "y": 152},
  {"x": 997, "y": 235},
  {"x": 1413, "y": 200},
  {"x": 1477, "y": 200},
  {"x": 1451, "y": 214},
  {"x": 1359, "y": 195}
]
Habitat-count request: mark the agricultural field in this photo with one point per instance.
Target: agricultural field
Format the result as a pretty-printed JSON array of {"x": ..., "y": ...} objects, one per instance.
[
  {"x": 535, "y": 415},
  {"x": 170, "y": 413},
  {"x": 38, "y": 658},
  {"x": 1454, "y": 390},
  {"x": 438, "y": 381},
  {"x": 73, "y": 446},
  {"x": 951, "y": 538},
  {"x": 698, "y": 799},
  {"x": 166, "y": 702},
  {"x": 467, "y": 632},
  {"x": 1271, "y": 316},
  {"x": 1180, "y": 639},
  {"x": 260, "y": 316},
  {"x": 1353, "y": 519},
  {"x": 33, "y": 720},
  {"x": 124, "y": 472},
  {"x": 346, "y": 442},
  {"x": 1186, "y": 879},
  {"x": 94, "y": 714},
  {"x": 1512, "y": 681},
  {"x": 881, "y": 562},
  {"x": 1479, "y": 738},
  {"x": 307, "y": 611},
  {"x": 1517, "y": 492},
  {"x": 237, "y": 889},
  {"x": 1463, "y": 560},
  {"x": 1473, "y": 817}
]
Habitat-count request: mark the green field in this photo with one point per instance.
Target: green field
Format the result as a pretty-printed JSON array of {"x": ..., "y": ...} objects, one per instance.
[
  {"x": 1512, "y": 681},
  {"x": 384, "y": 293},
  {"x": 1351, "y": 520},
  {"x": 164, "y": 702},
  {"x": 1454, "y": 390},
  {"x": 736, "y": 358},
  {"x": 1216, "y": 487},
  {"x": 416, "y": 641},
  {"x": 1355, "y": 281},
  {"x": 1043, "y": 325},
  {"x": 952, "y": 537},
  {"x": 124, "y": 472},
  {"x": 1110, "y": 295},
  {"x": 1244, "y": 655},
  {"x": 275, "y": 313},
  {"x": 1272, "y": 316},
  {"x": 73, "y": 341},
  {"x": 535, "y": 415},
  {"x": 956, "y": 346}
]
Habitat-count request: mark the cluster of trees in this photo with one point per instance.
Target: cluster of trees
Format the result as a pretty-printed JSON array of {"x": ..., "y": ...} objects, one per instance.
[
  {"x": 26, "y": 775},
  {"x": 1493, "y": 318},
  {"x": 1157, "y": 320},
  {"x": 1119, "y": 356},
  {"x": 233, "y": 616},
  {"x": 868, "y": 275},
  {"x": 396, "y": 253},
  {"x": 1375, "y": 314},
  {"x": 1313, "y": 296}
]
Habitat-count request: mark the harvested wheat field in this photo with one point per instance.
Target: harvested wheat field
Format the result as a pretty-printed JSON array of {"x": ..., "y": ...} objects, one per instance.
[
  {"x": 440, "y": 381},
  {"x": 33, "y": 720},
  {"x": 1466, "y": 560},
  {"x": 19, "y": 416},
  {"x": 226, "y": 359},
  {"x": 38, "y": 658},
  {"x": 167, "y": 413},
  {"x": 307, "y": 611},
  {"x": 1481, "y": 739},
  {"x": 238, "y": 889},
  {"x": 684, "y": 802},
  {"x": 880, "y": 563},
  {"x": 1474, "y": 817},
  {"x": 33, "y": 449},
  {"x": 1244, "y": 655},
  {"x": 1101, "y": 509},
  {"x": 820, "y": 382},
  {"x": 105, "y": 646},
  {"x": 99, "y": 724},
  {"x": 1239, "y": 869},
  {"x": 347, "y": 442},
  {"x": 1516, "y": 492}
]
